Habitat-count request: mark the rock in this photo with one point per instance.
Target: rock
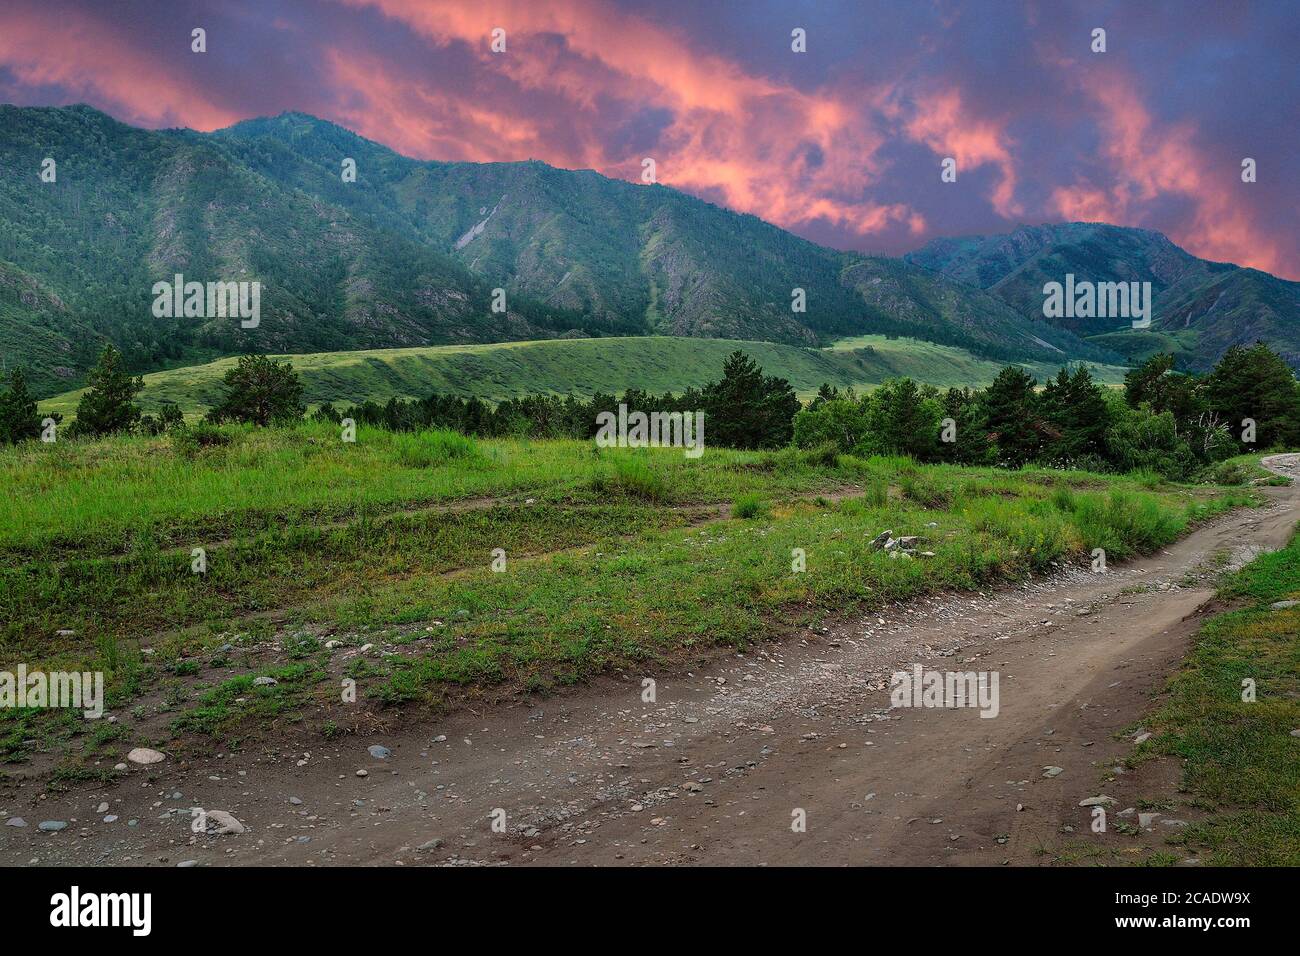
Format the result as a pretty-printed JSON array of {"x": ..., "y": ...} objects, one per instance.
[
  {"x": 1098, "y": 801},
  {"x": 64, "y": 632},
  {"x": 363, "y": 773},
  {"x": 1282, "y": 605},
  {"x": 1171, "y": 822},
  {"x": 110, "y": 819},
  {"x": 879, "y": 540},
  {"x": 1146, "y": 819},
  {"x": 365, "y": 647},
  {"x": 15, "y": 822},
  {"x": 296, "y": 801},
  {"x": 185, "y": 864},
  {"x": 226, "y": 823},
  {"x": 1141, "y": 738},
  {"x": 52, "y": 826},
  {"x": 908, "y": 542},
  {"x": 330, "y": 645},
  {"x": 119, "y": 766},
  {"x": 143, "y": 755},
  {"x": 379, "y": 752},
  {"x": 102, "y": 808},
  {"x": 891, "y": 544},
  {"x": 1053, "y": 771},
  {"x": 1296, "y": 732},
  {"x": 434, "y": 844},
  {"x": 264, "y": 682}
]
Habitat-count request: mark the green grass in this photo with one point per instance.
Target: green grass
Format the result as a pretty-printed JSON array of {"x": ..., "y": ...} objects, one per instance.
[
  {"x": 615, "y": 559},
  {"x": 576, "y": 366},
  {"x": 1239, "y": 758}
]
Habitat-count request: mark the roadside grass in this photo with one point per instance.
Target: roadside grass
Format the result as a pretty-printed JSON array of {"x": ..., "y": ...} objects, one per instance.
[
  {"x": 608, "y": 565},
  {"x": 1240, "y": 759}
]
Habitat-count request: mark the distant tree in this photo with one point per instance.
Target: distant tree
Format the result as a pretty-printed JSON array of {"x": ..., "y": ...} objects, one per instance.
[
  {"x": 904, "y": 420},
  {"x": 1075, "y": 408},
  {"x": 748, "y": 409},
  {"x": 1255, "y": 383},
  {"x": 18, "y": 418},
  {"x": 1155, "y": 383},
  {"x": 260, "y": 391},
  {"x": 108, "y": 405},
  {"x": 1010, "y": 407},
  {"x": 970, "y": 443},
  {"x": 836, "y": 421}
]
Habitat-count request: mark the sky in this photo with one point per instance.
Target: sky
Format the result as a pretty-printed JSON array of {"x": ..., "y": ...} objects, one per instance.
[{"x": 842, "y": 143}]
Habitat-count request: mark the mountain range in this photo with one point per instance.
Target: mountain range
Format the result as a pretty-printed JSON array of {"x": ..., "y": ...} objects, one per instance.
[{"x": 410, "y": 253}]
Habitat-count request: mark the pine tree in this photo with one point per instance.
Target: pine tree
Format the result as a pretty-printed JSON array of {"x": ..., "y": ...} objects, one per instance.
[
  {"x": 108, "y": 405},
  {"x": 1010, "y": 407},
  {"x": 18, "y": 418},
  {"x": 265, "y": 392},
  {"x": 1255, "y": 383}
]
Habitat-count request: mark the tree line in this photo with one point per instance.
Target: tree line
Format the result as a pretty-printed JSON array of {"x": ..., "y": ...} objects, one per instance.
[{"x": 1163, "y": 420}]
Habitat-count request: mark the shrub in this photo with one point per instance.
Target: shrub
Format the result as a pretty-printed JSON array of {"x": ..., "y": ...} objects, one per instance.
[{"x": 749, "y": 506}]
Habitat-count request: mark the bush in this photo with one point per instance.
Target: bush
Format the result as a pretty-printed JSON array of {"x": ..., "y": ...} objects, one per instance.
[
  {"x": 749, "y": 506},
  {"x": 432, "y": 448},
  {"x": 192, "y": 439},
  {"x": 631, "y": 477}
]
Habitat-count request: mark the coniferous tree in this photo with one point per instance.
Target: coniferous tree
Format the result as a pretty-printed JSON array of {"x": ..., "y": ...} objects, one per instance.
[
  {"x": 265, "y": 392},
  {"x": 108, "y": 405},
  {"x": 1011, "y": 412},
  {"x": 18, "y": 418}
]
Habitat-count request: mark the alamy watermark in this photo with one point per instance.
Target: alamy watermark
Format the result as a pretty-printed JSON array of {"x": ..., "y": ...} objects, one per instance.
[
  {"x": 212, "y": 300},
  {"x": 1098, "y": 300},
  {"x": 655, "y": 430},
  {"x": 922, "y": 688},
  {"x": 75, "y": 690}
]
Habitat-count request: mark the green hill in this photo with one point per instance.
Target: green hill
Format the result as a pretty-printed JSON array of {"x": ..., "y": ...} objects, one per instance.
[
  {"x": 580, "y": 367},
  {"x": 409, "y": 254}
]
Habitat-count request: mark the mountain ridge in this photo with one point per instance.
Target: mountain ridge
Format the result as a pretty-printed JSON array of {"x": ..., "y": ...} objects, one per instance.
[{"x": 410, "y": 252}]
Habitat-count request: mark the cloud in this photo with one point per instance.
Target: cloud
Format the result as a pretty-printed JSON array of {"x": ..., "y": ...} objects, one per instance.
[
  {"x": 88, "y": 59},
  {"x": 1147, "y": 163}
]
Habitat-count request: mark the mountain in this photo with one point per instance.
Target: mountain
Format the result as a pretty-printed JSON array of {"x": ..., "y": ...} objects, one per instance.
[
  {"x": 409, "y": 254},
  {"x": 1199, "y": 308}
]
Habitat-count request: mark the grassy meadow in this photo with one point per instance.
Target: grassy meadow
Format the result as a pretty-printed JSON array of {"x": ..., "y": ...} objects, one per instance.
[
  {"x": 579, "y": 367},
  {"x": 614, "y": 560}
]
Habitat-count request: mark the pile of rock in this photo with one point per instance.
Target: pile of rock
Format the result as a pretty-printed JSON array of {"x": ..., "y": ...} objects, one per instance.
[{"x": 904, "y": 545}]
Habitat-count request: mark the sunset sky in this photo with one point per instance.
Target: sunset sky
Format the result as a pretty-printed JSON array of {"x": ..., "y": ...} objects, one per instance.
[{"x": 841, "y": 144}]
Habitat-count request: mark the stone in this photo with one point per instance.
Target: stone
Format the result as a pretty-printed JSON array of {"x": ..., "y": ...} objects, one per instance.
[
  {"x": 379, "y": 752},
  {"x": 1053, "y": 771},
  {"x": 879, "y": 540},
  {"x": 226, "y": 822},
  {"x": 1146, "y": 819},
  {"x": 1283, "y": 605},
  {"x": 1141, "y": 738},
  {"x": 143, "y": 755},
  {"x": 1098, "y": 801},
  {"x": 102, "y": 808},
  {"x": 15, "y": 822},
  {"x": 264, "y": 682},
  {"x": 52, "y": 826}
]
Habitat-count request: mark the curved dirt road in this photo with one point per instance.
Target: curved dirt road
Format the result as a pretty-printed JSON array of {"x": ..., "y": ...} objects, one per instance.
[{"x": 717, "y": 769}]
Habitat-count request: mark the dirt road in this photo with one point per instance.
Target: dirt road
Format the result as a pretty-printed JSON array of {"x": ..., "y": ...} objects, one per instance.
[{"x": 720, "y": 768}]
